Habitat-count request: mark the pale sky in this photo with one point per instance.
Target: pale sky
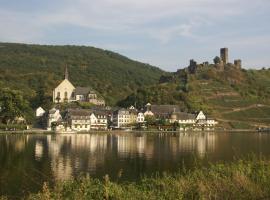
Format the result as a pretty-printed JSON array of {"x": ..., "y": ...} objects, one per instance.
[{"x": 164, "y": 33}]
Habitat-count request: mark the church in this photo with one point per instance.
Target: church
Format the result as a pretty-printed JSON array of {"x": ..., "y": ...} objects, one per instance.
[{"x": 66, "y": 92}]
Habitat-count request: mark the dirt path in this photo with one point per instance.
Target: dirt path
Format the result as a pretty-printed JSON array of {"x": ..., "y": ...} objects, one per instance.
[{"x": 245, "y": 108}]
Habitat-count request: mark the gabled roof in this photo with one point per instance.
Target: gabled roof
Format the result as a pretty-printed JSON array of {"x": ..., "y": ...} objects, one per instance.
[
  {"x": 83, "y": 90},
  {"x": 184, "y": 116},
  {"x": 79, "y": 112},
  {"x": 40, "y": 108},
  {"x": 164, "y": 109},
  {"x": 65, "y": 82}
]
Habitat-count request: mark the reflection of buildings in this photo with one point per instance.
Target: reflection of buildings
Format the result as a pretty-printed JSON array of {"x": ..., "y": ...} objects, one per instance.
[
  {"x": 200, "y": 143},
  {"x": 38, "y": 150},
  {"x": 130, "y": 145},
  {"x": 71, "y": 154}
]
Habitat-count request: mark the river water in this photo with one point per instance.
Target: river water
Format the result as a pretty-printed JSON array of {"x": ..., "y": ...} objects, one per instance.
[{"x": 26, "y": 161}]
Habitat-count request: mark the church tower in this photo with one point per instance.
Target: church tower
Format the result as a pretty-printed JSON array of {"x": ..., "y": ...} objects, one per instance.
[{"x": 66, "y": 72}]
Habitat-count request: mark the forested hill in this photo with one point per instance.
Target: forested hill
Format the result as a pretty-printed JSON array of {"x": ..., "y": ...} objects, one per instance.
[
  {"x": 31, "y": 67},
  {"x": 238, "y": 98}
]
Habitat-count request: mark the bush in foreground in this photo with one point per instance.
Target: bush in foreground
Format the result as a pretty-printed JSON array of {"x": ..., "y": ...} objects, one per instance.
[{"x": 241, "y": 179}]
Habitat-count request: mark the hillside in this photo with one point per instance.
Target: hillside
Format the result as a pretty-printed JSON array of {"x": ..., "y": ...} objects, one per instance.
[
  {"x": 238, "y": 98},
  {"x": 30, "y": 67}
]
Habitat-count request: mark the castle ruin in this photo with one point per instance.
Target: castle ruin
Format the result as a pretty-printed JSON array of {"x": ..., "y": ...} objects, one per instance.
[
  {"x": 224, "y": 55},
  {"x": 219, "y": 62}
]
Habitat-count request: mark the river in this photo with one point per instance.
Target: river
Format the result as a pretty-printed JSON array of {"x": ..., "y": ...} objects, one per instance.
[{"x": 26, "y": 161}]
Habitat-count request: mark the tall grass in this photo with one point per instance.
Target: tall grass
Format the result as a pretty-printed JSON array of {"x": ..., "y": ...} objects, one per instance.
[{"x": 241, "y": 179}]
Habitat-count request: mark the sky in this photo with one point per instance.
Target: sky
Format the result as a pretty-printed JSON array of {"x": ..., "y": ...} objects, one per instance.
[{"x": 163, "y": 33}]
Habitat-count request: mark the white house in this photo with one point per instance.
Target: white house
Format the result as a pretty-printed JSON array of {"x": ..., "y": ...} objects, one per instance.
[
  {"x": 199, "y": 120},
  {"x": 98, "y": 120},
  {"x": 53, "y": 116},
  {"x": 121, "y": 118},
  {"x": 40, "y": 112},
  {"x": 140, "y": 117},
  {"x": 124, "y": 118},
  {"x": 86, "y": 120}
]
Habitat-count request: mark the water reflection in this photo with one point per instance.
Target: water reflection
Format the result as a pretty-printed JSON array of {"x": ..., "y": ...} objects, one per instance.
[
  {"x": 61, "y": 157},
  {"x": 71, "y": 155},
  {"x": 38, "y": 150}
]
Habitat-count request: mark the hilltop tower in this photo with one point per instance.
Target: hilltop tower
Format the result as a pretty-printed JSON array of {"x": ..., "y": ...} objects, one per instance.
[
  {"x": 66, "y": 72},
  {"x": 192, "y": 66},
  {"x": 224, "y": 55},
  {"x": 238, "y": 63}
]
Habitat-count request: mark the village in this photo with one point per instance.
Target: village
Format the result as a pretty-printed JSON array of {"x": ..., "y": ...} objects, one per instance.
[{"x": 101, "y": 117}]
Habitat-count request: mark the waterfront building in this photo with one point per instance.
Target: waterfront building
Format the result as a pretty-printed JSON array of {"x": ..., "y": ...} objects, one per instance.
[
  {"x": 121, "y": 118},
  {"x": 160, "y": 111},
  {"x": 54, "y": 116},
  {"x": 124, "y": 118},
  {"x": 86, "y": 120},
  {"x": 193, "y": 120}
]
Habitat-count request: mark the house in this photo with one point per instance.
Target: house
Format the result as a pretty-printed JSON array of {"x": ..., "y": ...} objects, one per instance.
[
  {"x": 66, "y": 92},
  {"x": 160, "y": 111},
  {"x": 124, "y": 118},
  {"x": 40, "y": 112},
  {"x": 121, "y": 118},
  {"x": 140, "y": 117},
  {"x": 99, "y": 120},
  {"x": 193, "y": 120},
  {"x": 86, "y": 94},
  {"x": 54, "y": 116},
  {"x": 86, "y": 120},
  {"x": 183, "y": 118},
  {"x": 78, "y": 119}
]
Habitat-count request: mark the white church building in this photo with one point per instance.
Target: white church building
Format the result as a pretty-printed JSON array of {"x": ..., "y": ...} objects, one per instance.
[{"x": 66, "y": 92}]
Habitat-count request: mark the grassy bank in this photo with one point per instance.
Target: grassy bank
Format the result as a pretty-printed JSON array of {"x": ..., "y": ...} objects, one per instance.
[{"x": 241, "y": 179}]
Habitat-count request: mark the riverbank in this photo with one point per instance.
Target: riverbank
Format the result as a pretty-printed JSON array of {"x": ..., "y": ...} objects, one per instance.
[
  {"x": 42, "y": 131},
  {"x": 241, "y": 179}
]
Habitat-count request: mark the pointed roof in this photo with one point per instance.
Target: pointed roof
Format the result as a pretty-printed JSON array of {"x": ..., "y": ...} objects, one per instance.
[
  {"x": 65, "y": 83},
  {"x": 66, "y": 72}
]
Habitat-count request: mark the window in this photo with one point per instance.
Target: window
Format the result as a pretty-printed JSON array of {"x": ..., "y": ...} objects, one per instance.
[{"x": 66, "y": 96}]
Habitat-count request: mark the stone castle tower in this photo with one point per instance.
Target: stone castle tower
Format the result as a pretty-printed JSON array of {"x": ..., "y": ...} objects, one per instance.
[{"x": 224, "y": 55}]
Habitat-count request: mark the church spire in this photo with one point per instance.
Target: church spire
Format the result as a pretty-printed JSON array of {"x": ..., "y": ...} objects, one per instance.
[{"x": 66, "y": 73}]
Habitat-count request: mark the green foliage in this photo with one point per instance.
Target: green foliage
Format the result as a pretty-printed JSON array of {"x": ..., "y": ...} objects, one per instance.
[
  {"x": 240, "y": 125},
  {"x": 13, "y": 127},
  {"x": 31, "y": 67},
  {"x": 217, "y": 60},
  {"x": 150, "y": 120},
  {"x": 241, "y": 179},
  {"x": 12, "y": 106}
]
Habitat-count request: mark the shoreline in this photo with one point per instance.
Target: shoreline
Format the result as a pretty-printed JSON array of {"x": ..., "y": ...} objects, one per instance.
[{"x": 46, "y": 132}]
